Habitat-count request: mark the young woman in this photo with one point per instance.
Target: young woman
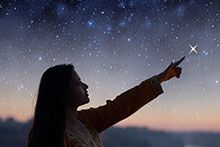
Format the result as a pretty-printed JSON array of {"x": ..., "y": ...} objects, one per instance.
[{"x": 58, "y": 123}]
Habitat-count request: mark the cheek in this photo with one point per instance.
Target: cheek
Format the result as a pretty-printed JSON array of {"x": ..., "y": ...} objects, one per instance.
[
  {"x": 78, "y": 92},
  {"x": 77, "y": 96}
]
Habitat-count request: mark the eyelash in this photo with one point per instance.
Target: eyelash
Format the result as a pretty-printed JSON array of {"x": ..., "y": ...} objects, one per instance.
[{"x": 78, "y": 83}]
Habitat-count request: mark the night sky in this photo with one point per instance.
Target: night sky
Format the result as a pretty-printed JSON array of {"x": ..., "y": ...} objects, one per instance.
[{"x": 115, "y": 45}]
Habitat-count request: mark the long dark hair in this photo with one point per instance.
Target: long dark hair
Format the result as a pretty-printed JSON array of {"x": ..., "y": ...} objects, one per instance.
[{"x": 48, "y": 124}]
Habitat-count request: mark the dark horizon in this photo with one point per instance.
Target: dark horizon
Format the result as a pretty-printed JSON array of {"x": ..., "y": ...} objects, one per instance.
[{"x": 12, "y": 132}]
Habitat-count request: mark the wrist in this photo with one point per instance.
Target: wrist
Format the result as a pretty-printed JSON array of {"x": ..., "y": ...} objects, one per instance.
[{"x": 161, "y": 77}]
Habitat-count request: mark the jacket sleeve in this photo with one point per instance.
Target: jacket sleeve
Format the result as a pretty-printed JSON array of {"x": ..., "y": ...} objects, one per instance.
[{"x": 123, "y": 105}]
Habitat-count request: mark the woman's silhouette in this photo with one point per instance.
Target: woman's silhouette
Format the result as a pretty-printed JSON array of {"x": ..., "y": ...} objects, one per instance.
[{"x": 58, "y": 123}]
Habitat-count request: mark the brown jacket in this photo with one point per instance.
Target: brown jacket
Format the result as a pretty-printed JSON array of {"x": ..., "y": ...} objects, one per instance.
[{"x": 100, "y": 118}]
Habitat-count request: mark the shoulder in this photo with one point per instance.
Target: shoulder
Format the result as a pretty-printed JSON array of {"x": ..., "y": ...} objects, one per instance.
[{"x": 82, "y": 115}]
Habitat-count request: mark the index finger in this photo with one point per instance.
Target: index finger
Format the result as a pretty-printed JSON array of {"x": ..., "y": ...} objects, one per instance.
[{"x": 178, "y": 62}]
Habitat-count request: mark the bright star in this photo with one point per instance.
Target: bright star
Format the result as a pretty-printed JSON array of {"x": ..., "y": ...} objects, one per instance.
[
  {"x": 193, "y": 49},
  {"x": 90, "y": 23}
]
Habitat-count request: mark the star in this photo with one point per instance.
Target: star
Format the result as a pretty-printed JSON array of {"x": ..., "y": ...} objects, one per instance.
[
  {"x": 193, "y": 49},
  {"x": 90, "y": 23}
]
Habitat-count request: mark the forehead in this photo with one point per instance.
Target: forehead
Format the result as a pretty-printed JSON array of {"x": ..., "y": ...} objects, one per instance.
[{"x": 75, "y": 76}]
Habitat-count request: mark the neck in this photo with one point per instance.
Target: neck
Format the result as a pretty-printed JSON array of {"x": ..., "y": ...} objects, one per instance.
[{"x": 71, "y": 115}]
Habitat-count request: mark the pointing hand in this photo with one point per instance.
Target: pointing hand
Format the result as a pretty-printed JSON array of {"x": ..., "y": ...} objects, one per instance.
[{"x": 171, "y": 71}]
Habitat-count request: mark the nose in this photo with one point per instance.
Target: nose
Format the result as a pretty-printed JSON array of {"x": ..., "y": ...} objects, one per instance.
[{"x": 85, "y": 85}]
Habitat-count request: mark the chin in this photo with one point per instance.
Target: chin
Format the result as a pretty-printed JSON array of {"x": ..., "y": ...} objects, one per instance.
[
  {"x": 85, "y": 102},
  {"x": 88, "y": 100}
]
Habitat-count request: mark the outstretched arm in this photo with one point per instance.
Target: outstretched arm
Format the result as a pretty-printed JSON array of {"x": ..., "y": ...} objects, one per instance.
[{"x": 129, "y": 101}]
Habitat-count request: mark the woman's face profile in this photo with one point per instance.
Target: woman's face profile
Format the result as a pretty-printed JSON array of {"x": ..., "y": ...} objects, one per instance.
[{"x": 78, "y": 93}]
